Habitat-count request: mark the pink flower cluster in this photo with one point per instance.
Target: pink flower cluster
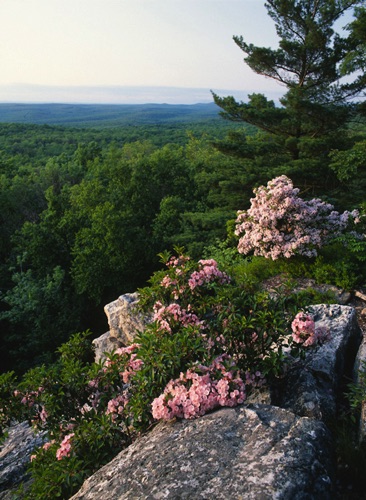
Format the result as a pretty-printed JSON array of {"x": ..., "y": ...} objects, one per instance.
[
  {"x": 43, "y": 415},
  {"x": 178, "y": 265},
  {"x": 164, "y": 315},
  {"x": 124, "y": 362},
  {"x": 194, "y": 394},
  {"x": 29, "y": 398},
  {"x": 305, "y": 333},
  {"x": 167, "y": 282},
  {"x": 177, "y": 288},
  {"x": 207, "y": 273},
  {"x": 255, "y": 379},
  {"x": 281, "y": 224},
  {"x": 65, "y": 447},
  {"x": 180, "y": 280},
  {"x": 117, "y": 405},
  {"x": 132, "y": 365},
  {"x": 178, "y": 261},
  {"x": 48, "y": 445}
]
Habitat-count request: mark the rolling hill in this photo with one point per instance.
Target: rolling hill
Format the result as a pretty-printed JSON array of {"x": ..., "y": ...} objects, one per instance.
[{"x": 106, "y": 115}]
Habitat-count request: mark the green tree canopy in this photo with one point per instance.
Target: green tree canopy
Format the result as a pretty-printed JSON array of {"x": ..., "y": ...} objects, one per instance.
[{"x": 311, "y": 62}]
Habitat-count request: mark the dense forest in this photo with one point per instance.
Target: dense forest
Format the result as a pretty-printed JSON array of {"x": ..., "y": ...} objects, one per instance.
[{"x": 84, "y": 213}]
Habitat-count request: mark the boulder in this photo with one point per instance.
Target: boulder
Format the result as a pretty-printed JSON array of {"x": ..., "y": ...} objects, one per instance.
[
  {"x": 15, "y": 455},
  {"x": 123, "y": 319},
  {"x": 312, "y": 387},
  {"x": 124, "y": 323},
  {"x": 359, "y": 377},
  {"x": 298, "y": 285},
  {"x": 258, "y": 452},
  {"x": 105, "y": 343}
]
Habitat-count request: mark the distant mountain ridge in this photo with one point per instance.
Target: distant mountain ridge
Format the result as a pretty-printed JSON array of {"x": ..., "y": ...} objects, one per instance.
[{"x": 106, "y": 114}]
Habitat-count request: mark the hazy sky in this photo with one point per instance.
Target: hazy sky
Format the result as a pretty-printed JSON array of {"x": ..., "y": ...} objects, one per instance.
[
  {"x": 52, "y": 44},
  {"x": 128, "y": 43}
]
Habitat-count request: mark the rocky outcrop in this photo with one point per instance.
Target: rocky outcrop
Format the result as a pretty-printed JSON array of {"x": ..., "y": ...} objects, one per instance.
[
  {"x": 124, "y": 323},
  {"x": 259, "y": 452},
  {"x": 312, "y": 387},
  {"x": 256, "y": 451},
  {"x": 15, "y": 455},
  {"x": 359, "y": 374},
  {"x": 105, "y": 343},
  {"x": 277, "y": 445}
]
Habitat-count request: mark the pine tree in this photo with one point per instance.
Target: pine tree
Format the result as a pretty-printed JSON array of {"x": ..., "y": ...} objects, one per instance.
[
  {"x": 355, "y": 60},
  {"x": 311, "y": 61}
]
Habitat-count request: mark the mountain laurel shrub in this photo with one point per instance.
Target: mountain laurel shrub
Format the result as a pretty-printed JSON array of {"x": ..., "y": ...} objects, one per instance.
[
  {"x": 281, "y": 224},
  {"x": 210, "y": 343}
]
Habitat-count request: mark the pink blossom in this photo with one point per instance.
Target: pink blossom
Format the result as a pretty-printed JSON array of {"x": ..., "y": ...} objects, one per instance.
[
  {"x": 178, "y": 261},
  {"x": 65, "y": 447},
  {"x": 132, "y": 363},
  {"x": 117, "y": 405},
  {"x": 208, "y": 272},
  {"x": 43, "y": 415},
  {"x": 281, "y": 224},
  {"x": 194, "y": 394},
  {"x": 166, "y": 315},
  {"x": 48, "y": 445},
  {"x": 305, "y": 333},
  {"x": 29, "y": 399},
  {"x": 127, "y": 350},
  {"x": 167, "y": 281}
]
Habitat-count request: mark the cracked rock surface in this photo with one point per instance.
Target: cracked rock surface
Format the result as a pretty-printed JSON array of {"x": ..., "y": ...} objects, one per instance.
[{"x": 256, "y": 452}]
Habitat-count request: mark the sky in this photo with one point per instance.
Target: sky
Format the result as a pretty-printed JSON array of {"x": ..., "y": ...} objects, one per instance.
[
  {"x": 123, "y": 51},
  {"x": 128, "y": 51}
]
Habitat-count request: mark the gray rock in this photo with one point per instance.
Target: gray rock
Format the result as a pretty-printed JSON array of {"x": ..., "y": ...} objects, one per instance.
[
  {"x": 124, "y": 324},
  {"x": 360, "y": 367},
  {"x": 105, "y": 343},
  {"x": 312, "y": 387},
  {"x": 15, "y": 455},
  {"x": 258, "y": 452},
  {"x": 123, "y": 319}
]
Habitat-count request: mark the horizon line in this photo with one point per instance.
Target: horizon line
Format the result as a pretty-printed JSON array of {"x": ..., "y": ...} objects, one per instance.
[
  {"x": 23, "y": 93},
  {"x": 77, "y": 103}
]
